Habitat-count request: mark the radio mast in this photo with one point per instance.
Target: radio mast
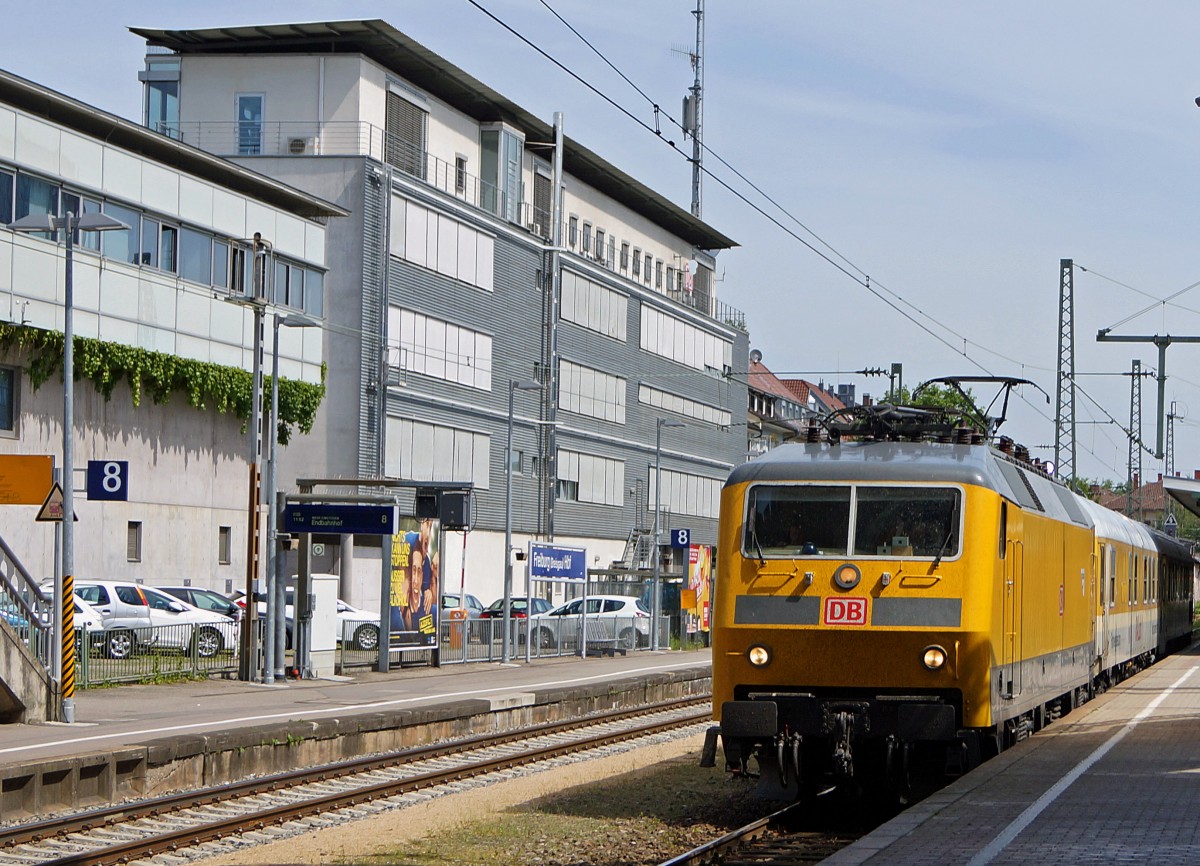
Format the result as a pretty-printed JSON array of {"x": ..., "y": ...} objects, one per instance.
[{"x": 693, "y": 108}]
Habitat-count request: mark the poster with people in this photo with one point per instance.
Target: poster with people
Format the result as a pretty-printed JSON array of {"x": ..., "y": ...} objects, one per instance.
[
  {"x": 413, "y": 603},
  {"x": 699, "y": 582}
]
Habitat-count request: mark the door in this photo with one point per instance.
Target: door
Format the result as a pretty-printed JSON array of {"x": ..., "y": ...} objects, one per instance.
[
  {"x": 249, "y": 123},
  {"x": 1013, "y": 571}
]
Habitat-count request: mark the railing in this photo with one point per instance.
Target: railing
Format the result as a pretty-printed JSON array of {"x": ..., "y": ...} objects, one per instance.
[
  {"x": 358, "y": 138},
  {"x": 25, "y": 607},
  {"x": 168, "y": 652}
]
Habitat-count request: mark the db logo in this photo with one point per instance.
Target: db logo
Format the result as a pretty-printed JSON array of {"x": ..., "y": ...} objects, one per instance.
[{"x": 845, "y": 611}]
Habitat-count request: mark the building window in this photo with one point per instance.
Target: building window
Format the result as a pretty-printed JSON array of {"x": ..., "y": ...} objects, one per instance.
[
  {"x": 624, "y": 257},
  {"x": 224, "y": 545},
  {"x": 566, "y": 491},
  {"x": 542, "y": 204},
  {"x": 516, "y": 461},
  {"x": 168, "y": 249},
  {"x": 8, "y": 401},
  {"x": 599, "y": 245},
  {"x": 670, "y": 279},
  {"x": 647, "y": 266},
  {"x": 658, "y": 274},
  {"x": 133, "y": 541},
  {"x": 587, "y": 239},
  {"x": 460, "y": 173},
  {"x": 196, "y": 257},
  {"x": 500, "y": 187},
  {"x": 573, "y": 231},
  {"x": 404, "y": 145},
  {"x": 250, "y": 123},
  {"x": 435, "y": 347},
  {"x": 162, "y": 94},
  {"x": 6, "y": 197}
]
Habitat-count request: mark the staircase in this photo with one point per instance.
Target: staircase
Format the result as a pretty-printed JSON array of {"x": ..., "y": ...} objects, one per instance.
[{"x": 27, "y": 691}]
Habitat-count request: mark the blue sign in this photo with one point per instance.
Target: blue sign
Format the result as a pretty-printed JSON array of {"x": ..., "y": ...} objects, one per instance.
[
  {"x": 108, "y": 479},
  {"x": 681, "y": 538},
  {"x": 340, "y": 519},
  {"x": 548, "y": 562}
]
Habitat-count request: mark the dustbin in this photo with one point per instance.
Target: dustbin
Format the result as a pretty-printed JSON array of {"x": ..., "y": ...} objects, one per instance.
[{"x": 457, "y": 626}]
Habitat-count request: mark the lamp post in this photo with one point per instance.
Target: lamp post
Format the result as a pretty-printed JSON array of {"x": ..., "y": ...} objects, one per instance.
[
  {"x": 276, "y": 631},
  {"x": 64, "y": 589},
  {"x": 514, "y": 385},
  {"x": 656, "y": 600}
]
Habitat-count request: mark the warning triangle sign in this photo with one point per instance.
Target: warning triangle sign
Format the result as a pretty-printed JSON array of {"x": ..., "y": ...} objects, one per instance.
[{"x": 52, "y": 509}]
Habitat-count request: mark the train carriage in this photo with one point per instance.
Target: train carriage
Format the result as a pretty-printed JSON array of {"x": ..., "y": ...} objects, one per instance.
[{"x": 885, "y": 606}]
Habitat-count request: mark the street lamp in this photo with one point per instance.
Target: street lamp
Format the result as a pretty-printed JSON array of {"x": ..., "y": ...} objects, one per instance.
[
  {"x": 64, "y": 588},
  {"x": 276, "y": 636},
  {"x": 656, "y": 601},
  {"x": 514, "y": 385}
]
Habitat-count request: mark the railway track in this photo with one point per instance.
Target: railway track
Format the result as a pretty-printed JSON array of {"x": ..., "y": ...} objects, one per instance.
[
  {"x": 801, "y": 833},
  {"x": 165, "y": 826}
]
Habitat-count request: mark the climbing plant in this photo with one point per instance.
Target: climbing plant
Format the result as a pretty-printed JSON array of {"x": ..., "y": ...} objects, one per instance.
[{"x": 160, "y": 375}]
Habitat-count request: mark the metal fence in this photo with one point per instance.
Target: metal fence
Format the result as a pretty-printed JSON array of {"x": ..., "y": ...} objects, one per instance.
[{"x": 120, "y": 655}]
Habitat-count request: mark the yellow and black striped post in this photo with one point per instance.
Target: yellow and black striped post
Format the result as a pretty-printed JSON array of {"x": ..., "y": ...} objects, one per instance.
[{"x": 67, "y": 638}]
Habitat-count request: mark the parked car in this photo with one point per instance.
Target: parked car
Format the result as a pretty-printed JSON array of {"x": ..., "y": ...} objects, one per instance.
[
  {"x": 473, "y": 608},
  {"x": 205, "y": 599},
  {"x": 520, "y": 608},
  {"x": 86, "y": 618},
  {"x": 453, "y": 601},
  {"x": 625, "y": 617},
  {"x": 134, "y": 616}
]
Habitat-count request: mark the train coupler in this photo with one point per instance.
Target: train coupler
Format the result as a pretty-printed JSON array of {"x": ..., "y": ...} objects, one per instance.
[{"x": 843, "y": 733}]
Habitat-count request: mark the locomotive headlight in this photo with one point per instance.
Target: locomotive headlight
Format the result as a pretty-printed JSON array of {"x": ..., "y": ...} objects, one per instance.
[
  {"x": 759, "y": 656},
  {"x": 934, "y": 657}
]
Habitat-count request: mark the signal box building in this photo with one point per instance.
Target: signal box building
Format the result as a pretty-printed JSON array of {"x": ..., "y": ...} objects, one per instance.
[
  {"x": 446, "y": 295},
  {"x": 161, "y": 358}
]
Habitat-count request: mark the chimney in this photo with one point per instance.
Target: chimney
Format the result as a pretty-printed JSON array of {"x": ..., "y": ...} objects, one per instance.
[
  {"x": 1160, "y": 478},
  {"x": 1137, "y": 481}
]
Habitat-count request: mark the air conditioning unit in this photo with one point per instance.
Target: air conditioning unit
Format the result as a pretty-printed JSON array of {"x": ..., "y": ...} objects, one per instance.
[{"x": 300, "y": 146}]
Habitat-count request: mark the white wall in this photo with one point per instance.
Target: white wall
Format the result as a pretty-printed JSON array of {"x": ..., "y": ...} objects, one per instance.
[{"x": 188, "y": 475}]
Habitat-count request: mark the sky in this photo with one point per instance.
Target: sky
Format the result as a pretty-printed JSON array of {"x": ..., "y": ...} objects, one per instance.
[{"x": 953, "y": 153}]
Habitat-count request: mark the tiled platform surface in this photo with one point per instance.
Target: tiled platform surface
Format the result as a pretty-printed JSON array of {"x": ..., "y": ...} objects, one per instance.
[{"x": 1116, "y": 781}]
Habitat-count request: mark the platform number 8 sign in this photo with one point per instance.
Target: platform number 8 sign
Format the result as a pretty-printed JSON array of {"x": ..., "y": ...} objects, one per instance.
[{"x": 108, "y": 480}]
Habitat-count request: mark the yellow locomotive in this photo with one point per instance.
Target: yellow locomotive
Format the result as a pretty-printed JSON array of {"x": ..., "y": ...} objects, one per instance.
[{"x": 894, "y": 604}]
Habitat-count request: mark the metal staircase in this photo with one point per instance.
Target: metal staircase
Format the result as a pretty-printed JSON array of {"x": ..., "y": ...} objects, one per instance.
[{"x": 27, "y": 691}]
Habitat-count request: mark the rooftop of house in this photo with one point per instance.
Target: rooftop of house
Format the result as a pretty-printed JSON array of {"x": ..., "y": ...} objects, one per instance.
[
  {"x": 57, "y": 108},
  {"x": 387, "y": 46}
]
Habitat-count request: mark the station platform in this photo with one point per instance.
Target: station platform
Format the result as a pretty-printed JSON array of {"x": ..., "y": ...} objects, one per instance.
[
  {"x": 140, "y": 740},
  {"x": 1115, "y": 781}
]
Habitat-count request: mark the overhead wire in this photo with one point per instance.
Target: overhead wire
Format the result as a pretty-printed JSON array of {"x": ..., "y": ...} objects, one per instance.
[{"x": 842, "y": 263}]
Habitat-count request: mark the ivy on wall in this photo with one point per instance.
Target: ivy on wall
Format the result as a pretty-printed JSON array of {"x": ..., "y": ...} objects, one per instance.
[{"x": 207, "y": 385}]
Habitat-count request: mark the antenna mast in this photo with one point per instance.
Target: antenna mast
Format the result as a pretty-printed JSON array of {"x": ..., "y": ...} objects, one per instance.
[{"x": 693, "y": 108}]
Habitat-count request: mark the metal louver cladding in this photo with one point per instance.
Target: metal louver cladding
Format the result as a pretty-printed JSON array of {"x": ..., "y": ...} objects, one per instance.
[{"x": 404, "y": 142}]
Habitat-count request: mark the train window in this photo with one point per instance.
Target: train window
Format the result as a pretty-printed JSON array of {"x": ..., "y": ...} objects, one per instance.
[
  {"x": 797, "y": 520},
  {"x": 1003, "y": 529},
  {"x": 906, "y": 521}
]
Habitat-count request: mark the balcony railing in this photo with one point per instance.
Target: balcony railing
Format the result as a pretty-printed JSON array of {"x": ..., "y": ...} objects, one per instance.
[{"x": 358, "y": 138}]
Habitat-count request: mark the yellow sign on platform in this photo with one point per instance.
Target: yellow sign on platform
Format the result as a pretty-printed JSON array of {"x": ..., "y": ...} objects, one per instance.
[{"x": 25, "y": 479}]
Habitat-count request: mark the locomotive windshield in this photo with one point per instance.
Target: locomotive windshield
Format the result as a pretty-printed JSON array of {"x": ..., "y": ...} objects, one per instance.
[{"x": 861, "y": 520}]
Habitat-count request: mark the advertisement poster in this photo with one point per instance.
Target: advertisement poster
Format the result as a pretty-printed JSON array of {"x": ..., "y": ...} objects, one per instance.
[
  {"x": 696, "y": 618},
  {"x": 415, "y": 587}
]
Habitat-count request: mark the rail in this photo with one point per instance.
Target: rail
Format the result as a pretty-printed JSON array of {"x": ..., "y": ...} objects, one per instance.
[
  {"x": 25, "y": 607},
  {"x": 357, "y": 781}
]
